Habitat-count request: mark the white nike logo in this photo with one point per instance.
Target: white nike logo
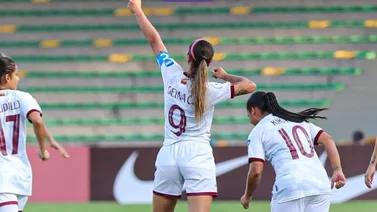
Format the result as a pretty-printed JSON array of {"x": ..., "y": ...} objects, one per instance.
[
  {"x": 354, "y": 186},
  {"x": 126, "y": 182}
]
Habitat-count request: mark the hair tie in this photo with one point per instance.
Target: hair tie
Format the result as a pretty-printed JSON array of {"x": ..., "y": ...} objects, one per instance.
[{"x": 192, "y": 47}]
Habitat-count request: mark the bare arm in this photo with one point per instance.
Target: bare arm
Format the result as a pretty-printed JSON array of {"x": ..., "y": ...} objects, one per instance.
[
  {"x": 369, "y": 174},
  {"x": 241, "y": 84},
  {"x": 39, "y": 130},
  {"x": 373, "y": 160},
  {"x": 147, "y": 28},
  {"x": 57, "y": 146},
  {"x": 253, "y": 177},
  {"x": 331, "y": 150}
]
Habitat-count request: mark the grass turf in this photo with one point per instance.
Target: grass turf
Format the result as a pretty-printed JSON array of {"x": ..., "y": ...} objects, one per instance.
[{"x": 218, "y": 206}]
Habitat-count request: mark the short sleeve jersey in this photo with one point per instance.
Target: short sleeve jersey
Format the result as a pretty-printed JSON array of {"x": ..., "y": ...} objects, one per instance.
[
  {"x": 179, "y": 110},
  {"x": 15, "y": 169},
  {"x": 289, "y": 147}
]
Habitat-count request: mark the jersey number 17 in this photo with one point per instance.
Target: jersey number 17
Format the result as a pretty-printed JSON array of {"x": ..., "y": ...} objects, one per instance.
[{"x": 15, "y": 135}]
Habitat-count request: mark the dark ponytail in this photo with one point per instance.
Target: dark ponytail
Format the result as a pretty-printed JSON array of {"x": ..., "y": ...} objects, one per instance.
[{"x": 267, "y": 102}]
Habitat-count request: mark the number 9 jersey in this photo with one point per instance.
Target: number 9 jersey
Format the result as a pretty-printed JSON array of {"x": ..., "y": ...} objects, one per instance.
[
  {"x": 15, "y": 169},
  {"x": 179, "y": 109},
  {"x": 288, "y": 146}
]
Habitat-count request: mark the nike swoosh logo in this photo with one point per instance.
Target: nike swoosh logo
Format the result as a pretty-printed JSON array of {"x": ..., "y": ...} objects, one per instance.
[
  {"x": 354, "y": 187},
  {"x": 126, "y": 182}
]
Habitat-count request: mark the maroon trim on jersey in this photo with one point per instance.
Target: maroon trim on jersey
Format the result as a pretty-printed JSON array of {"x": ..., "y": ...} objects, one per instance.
[
  {"x": 186, "y": 74},
  {"x": 212, "y": 194},
  {"x": 8, "y": 203},
  {"x": 317, "y": 136},
  {"x": 255, "y": 160},
  {"x": 30, "y": 111},
  {"x": 232, "y": 92},
  {"x": 167, "y": 195}
]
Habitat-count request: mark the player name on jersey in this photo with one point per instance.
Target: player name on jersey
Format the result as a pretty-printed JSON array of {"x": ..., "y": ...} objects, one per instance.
[
  {"x": 278, "y": 121},
  {"x": 10, "y": 106},
  {"x": 182, "y": 96}
]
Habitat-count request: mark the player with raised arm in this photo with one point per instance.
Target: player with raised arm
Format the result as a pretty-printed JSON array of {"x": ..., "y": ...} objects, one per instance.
[
  {"x": 15, "y": 108},
  {"x": 369, "y": 174},
  {"x": 286, "y": 140},
  {"x": 189, "y": 99}
]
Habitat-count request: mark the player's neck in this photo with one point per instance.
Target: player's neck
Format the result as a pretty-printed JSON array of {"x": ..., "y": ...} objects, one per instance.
[{"x": 264, "y": 115}]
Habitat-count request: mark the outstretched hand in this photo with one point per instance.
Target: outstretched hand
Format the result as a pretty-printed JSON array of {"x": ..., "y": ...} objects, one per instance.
[
  {"x": 134, "y": 5},
  {"x": 59, "y": 147}
]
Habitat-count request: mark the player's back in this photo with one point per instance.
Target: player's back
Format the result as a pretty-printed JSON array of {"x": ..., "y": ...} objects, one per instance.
[
  {"x": 179, "y": 108},
  {"x": 15, "y": 169},
  {"x": 289, "y": 146}
]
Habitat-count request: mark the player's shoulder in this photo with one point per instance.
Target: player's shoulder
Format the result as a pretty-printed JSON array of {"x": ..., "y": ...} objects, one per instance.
[
  {"x": 257, "y": 131},
  {"x": 217, "y": 85},
  {"x": 164, "y": 60},
  {"x": 214, "y": 87},
  {"x": 19, "y": 94}
]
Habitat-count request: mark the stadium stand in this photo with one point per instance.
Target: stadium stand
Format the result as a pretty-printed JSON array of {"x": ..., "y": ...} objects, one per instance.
[{"x": 96, "y": 78}]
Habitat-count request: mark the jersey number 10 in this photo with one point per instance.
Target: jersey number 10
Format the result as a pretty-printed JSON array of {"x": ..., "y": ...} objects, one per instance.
[
  {"x": 15, "y": 135},
  {"x": 297, "y": 139}
]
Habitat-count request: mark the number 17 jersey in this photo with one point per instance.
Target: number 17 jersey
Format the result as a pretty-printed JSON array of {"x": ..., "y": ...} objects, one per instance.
[
  {"x": 179, "y": 109},
  {"x": 15, "y": 169}
]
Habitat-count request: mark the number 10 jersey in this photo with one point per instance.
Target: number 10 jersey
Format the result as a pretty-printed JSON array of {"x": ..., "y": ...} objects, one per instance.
[
  {"x": 289, "y": 147},
  {"x": 179, "y": 109},
  {"x": 15, "y": 169}
]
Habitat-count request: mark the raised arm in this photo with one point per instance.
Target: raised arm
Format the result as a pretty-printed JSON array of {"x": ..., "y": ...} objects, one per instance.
[
  {"x": 146, "y": 27},
  {"x": 241, "y": 84}
]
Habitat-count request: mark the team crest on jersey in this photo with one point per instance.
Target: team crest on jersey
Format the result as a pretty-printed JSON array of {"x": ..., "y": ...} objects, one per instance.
[
  {"x": 184, "y": 81},
  {"x": 248, "y": 142},
  {"x": 216, "y": 85}
]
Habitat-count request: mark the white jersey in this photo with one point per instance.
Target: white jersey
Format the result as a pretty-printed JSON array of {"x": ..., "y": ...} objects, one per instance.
[
  {"x": 179, "y": 110},
  {"x": 15, "y": 169},
  {"x": 288, "y": 146}
]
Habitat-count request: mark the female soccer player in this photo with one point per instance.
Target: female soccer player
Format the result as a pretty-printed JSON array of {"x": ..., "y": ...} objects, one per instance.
[
  {"x": 186, "y": 154},
  {"x": 369, "y": 174},
  {"x": 15, "y": 108},
  {"x": 286, "y": 140}
]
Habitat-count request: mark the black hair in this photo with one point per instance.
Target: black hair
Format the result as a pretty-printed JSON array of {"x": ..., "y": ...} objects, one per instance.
[
  {"x": 7, "y": 66},
  {"x": 357, "y": 136},
  {"x": 267, "y": 102}
]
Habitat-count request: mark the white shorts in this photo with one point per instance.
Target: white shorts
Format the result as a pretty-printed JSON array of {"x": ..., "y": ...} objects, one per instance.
[
  {"x": 12, "y": 202},
  {"x": 190, "y": 164},
  {"x": 317, "y": 203}
]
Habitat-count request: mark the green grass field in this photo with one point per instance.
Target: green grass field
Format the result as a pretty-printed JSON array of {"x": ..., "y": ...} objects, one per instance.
[{"x": 220, "y": 206}]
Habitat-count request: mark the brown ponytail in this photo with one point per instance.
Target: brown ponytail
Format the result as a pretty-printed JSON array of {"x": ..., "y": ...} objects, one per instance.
[{"x": 199, "y": 90}]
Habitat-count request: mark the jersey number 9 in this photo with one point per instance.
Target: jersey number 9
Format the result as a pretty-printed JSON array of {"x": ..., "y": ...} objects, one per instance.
[{"x": 181, "y": 126}]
